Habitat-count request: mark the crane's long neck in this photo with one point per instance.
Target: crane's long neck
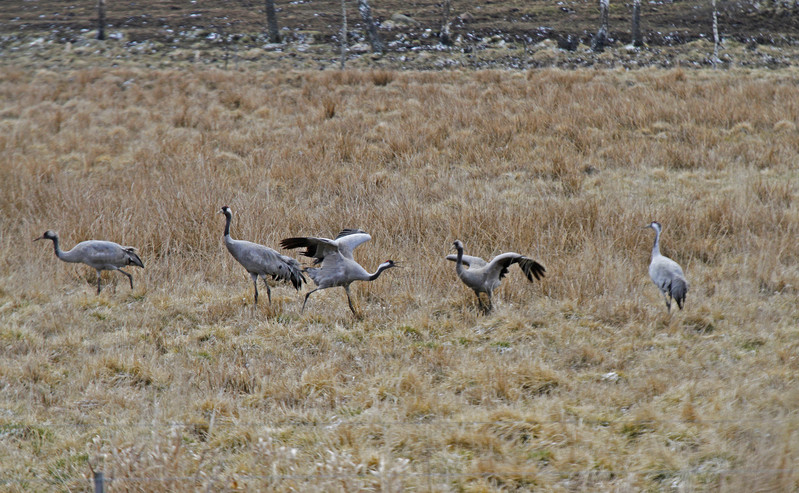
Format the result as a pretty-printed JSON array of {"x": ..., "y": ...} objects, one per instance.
[
  {"x": 656, "y": 246},
  {"x": 459, "y": 262},
  {"x": 60, "y": 253},
  {"x": 228, "y": 217},
  {"x": 379, "y": 271},
  {"x": 56, "y": 248}
]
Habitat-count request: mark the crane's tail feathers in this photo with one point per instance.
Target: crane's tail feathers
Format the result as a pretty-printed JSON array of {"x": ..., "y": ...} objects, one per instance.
[
  {"x": 297, "y": 278},
  {"x": 133, "y": 258},
  {"x": 679, "y": 288},
  {"x": 290, "y": 270},
  {"x": 531, "y": 269}
]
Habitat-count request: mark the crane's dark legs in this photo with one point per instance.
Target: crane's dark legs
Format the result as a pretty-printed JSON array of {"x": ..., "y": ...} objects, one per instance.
[
  {"x": 306, "y": 299},
  {"x": 668, "y": 302},
  {"x": 130, "y": 278},
  {"x": 349, "y": 300},
  {"x": 98, "y": 282},
  {"x": 255, "y": 285},
  {"x": 490, "y": 304},
  {"x": 485, "y": 308},
  {"x": 268, "y": 291}
]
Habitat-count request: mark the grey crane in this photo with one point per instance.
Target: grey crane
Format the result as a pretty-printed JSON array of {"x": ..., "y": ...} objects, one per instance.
[
  {"x": 260, "y": 260},
  {"x": 338, "y": 266},
  {"x": 98, "y": 254},
  {"x": 666, "y": 273},
  {"x": 484, "y": 277}
]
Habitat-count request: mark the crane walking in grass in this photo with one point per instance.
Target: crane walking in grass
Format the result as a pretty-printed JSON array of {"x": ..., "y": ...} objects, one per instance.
[
  {"x": 666, "y": 273},
  {"x": 339, "y": 268},
  {"x": 97, "y": 254},
  {"x": 484, "y": 277},
  {"x": 262, "y": 261}
]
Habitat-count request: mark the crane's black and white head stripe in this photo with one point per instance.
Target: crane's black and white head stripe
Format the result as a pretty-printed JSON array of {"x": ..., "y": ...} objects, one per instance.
[
  {"x": 457, "y": 245},
  {"x": 225, "y": 210},
  {"x": 654, "y": 225},
  {"x": 48, "y": 235}
]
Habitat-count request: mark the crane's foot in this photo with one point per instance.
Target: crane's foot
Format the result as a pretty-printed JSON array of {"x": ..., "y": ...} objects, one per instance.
[{"x": 485, "y": 308}]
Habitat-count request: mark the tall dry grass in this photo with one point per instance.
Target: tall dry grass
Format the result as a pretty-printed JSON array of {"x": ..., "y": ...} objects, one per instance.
[{"x": 580, "y": 382}]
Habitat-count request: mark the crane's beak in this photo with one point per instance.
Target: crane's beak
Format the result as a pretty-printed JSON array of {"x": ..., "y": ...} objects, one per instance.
[{"x": 39, "y": 238}]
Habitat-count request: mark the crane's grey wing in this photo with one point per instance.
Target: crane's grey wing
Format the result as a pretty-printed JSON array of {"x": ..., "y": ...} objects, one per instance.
[
  {"x": 333, "y": 271},
  {"x": 469, "y": 261},
  {"x": 349, "y": 231},
  {"x": 664, "y": 271},
  {"x": 104, "y": 254},
  {"x": 531, "y": 268},
  {"x": 349, "y": 239},
  {"x": 316, "y": 248},
  {"x": 262, "y": 260}
]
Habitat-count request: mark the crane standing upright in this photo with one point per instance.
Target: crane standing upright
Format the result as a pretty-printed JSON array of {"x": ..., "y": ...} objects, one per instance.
[
  {"x": 260, "y": 260},
  {"x": 666, "y": 273}
]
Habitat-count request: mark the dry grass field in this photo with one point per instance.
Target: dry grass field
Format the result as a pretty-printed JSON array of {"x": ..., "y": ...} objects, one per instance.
[{"x": 581, "y": 382}]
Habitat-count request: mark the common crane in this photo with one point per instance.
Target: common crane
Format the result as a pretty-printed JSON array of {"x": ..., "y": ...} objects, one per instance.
[
  {"x": 338, "y": 266},
  {"x": 98, "y": 254},
  {"x": 262, "y": 261},
  {"x": 666, "y": 273},
  {"x": 484, "y": 277}
]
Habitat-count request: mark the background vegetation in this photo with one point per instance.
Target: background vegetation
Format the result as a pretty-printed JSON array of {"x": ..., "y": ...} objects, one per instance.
[
  {"x": 580, "y": 382},
  {"x": 515, "y": 34}
]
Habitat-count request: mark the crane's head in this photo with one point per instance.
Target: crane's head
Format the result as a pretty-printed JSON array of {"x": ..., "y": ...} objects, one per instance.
[
  {"x": 48, "y": 235},
  {"x": 225, "y": 210},
  {"x": 388, "y": 264},
  {"x": 654, "y": 225},
  {"x": 457, "y": 245}
]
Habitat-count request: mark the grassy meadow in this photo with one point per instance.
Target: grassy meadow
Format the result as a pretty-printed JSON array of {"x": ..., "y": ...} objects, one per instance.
[{"x": 581, "y": 382}]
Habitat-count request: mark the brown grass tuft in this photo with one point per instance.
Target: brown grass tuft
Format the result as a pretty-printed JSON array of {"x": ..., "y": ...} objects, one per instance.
[{"x": 382, "y": 77}]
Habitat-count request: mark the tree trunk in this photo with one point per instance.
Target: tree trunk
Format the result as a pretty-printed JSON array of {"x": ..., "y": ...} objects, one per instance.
[
  {"x": 271, "y": 21},
  {"x": 601, "y": 38},
  {"x": 637, "y": 40},
  {"x": 445, "y": 37},
  {"x": 101, "y": 19},
  {"x": 371, "y": 29},
  {"x": 343, "y": 33},
  {"x": 715, "y": 35}
]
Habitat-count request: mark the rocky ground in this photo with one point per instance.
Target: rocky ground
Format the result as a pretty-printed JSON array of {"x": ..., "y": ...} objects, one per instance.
[{"x": 511, "y": 34}]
